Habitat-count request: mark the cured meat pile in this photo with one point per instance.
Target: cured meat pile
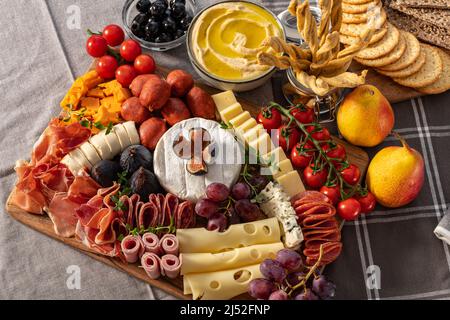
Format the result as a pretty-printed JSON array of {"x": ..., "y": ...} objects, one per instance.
[
  {"x": 316, "y": 216},
  {"x": 100, "y": 222}
]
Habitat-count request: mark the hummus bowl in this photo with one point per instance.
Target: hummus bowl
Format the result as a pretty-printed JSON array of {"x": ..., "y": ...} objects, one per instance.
[{"x": 224, "y": 39}]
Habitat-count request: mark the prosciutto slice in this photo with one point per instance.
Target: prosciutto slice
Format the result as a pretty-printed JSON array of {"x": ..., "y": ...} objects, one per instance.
[
  {"x": 132, "y": 248},
  {"x": 169, "y": 244},
  {"x": 170, "y": 266},
  {"x": 151, "y": 243},
  {"x": 151, "y": 264}
]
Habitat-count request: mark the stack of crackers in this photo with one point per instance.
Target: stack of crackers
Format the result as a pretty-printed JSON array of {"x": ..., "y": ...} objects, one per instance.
[{"x": 393, "y": 52}]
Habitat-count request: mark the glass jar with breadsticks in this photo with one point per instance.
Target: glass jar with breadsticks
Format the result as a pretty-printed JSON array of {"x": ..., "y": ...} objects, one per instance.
[{"x": 317, "y": 69}]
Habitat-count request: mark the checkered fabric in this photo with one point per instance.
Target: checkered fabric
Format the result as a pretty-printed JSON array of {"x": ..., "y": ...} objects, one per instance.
[{"x": 393, "y": 253}]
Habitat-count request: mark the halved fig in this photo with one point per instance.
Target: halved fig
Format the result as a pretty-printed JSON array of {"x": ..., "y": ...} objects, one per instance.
[{"x": 197, "y": 167}]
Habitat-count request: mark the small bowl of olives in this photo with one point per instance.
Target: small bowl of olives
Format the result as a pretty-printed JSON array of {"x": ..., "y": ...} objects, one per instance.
[{"x": 158, "y": 25}]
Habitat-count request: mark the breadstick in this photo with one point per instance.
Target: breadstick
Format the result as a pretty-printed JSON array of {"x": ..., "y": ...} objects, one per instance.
[
  {"x": 324, "y": 27},
  {"x": 346, "y": 80}
]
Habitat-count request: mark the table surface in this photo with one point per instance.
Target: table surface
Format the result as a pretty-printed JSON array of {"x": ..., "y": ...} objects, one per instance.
[{"x": 43, "y": 53}]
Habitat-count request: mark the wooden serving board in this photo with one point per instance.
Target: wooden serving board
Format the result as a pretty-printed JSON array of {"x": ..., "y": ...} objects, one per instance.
[{"x": 43, "y": 224}]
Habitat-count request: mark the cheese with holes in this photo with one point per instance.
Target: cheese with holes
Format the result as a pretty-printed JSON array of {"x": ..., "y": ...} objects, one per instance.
[
  {"x": 231, "y": 112},
  {"x": 224, "y": 100},
  {"x": 240, "y": 119},
  {"x": 200, "y": 240},
  {"x": 235, "y": 258},
  {"x": 133, "y": 134},
  {"x": 220, "y": 285},
  {"x": 281, "y": 168},
  {"x": 292, "y": 183}
]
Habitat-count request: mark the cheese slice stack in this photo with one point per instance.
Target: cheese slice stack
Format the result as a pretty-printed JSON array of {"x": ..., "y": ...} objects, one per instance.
[
  {"x": 219, "y": 266},
  {"x": 102, "y": 146},
  {"x": 259, "y": 141}
]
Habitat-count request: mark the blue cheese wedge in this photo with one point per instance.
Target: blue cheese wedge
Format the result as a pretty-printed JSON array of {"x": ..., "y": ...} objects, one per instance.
[
  {"x": 276, "y": 203},
  {"x": 133, "y": 134}
]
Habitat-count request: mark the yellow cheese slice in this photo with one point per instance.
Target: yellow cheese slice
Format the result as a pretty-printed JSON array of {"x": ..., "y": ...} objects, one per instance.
[
  {"x": 221, "y": 285},
  {"x": 90, "y": 153},
  {"x": 243, "y": 128},
  {"x": 240, "y": 119},
  {"x": 132, "y": 132},
  {"x": 209, "y": 262},
  {"x": 231, "y": 112},
  {"x": 200, "y": 240},
  {"x": 122, "y": 135},
  {"x": 224, "y": 100},
  {"x": 263, "y": 144},
  {"x": 99, "y": 143},
  {"x": 281, "y": 168},
  {"x": 79, "y": 157},
  {"x": 292, "y": 183},
  {"x": 254, "y": 133}
]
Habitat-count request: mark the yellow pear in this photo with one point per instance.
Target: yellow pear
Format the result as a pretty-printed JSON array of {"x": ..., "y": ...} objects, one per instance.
[{"x": 365, "y": 117}]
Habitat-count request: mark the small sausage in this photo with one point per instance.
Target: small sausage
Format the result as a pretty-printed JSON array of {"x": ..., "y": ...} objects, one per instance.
[
  {"x": 138, "y": 83},
  {"x": 155, "y": 93},
  {"x": 201, "y": 104},
  {"x": 133, "y": 110},
  {"x": 151, "y": 131},
  {"x": 174, "y": 111},
  {"x": 181, "y": 82}
]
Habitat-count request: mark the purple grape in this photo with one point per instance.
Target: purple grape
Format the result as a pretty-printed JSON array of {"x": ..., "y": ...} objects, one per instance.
[
  {"x": 279, "y": 295},
  {"x": 233, "y": 217},
  {"x": 295, "y": 278},
  {"x": 259, "y": 182},
  {"x": 247, "y": 211},
  {"x": 217, "y": 222},
  {"x": 260, "y": 288},
  {"x": 289, "y": 259},
  {"x": 217, "y": 192},
  {"x": 306, "y": 295},
  {"x": 323, "y": 288},
  {"x": 273, "y": 270},
  {"x": 241, "y": 191},
  {"x": 206, "y": 208}
]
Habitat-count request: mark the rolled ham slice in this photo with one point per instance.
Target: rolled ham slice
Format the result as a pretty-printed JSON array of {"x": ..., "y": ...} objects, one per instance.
[
  {"x": 171, "y": 266},
  {"x": 132, "y": 248},
  {"x": 169, "y": 244},
  {"x": 151, "y": 264},
  {"x": 151, "y": 243}
]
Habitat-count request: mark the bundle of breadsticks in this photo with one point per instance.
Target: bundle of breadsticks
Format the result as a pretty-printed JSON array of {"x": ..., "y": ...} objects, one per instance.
[{"x": 320, "y": 64}]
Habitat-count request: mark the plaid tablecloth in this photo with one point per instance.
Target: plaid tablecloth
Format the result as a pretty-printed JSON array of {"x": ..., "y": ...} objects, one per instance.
[{"x": 387, "y": 255}]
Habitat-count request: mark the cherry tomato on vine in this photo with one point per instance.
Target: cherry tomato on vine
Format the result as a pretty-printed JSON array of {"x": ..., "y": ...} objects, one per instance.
[
  {"x": 300, "y": 156},
  {"x": 125, "y": 75},
  {"x": 287, "y": 137},
  {"x": 333, "y": 193},
  {"x": 106, "y": 67},
  {"x": 303, "y": 114},
  {"x": 269, "y": 118},
  {"x": 351, "y": 174},
  {"x": 367, "y": 202},
  {"x": 130, "y": 50},
  {"x": 349, "y": 209},
  {"x": 96, "y": 46},
  {"x": 145, "y": 64},
  {"x": 318, "y": 133},
  {"x": 335, "y": 152},
  {"x": 315, "y": 180},
  {"x": 113, "y": 35}
]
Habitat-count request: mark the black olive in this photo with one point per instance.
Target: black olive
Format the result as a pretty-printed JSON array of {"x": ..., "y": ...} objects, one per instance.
[
  {"x": 134, "y": 157},
  {"x": 143, "y": 6},
  {"x": 179, "y": 33},
  {"x": 172, "y": 2},
  {"x": 105, "y": 172},
  {"x": 169, "y": 25},
  {"x": 164, "y": 37},
  {"x": 144, "y": 183},
  {"x": 158, "y": 8},
  {"x": 138, "y": 24},
  {"x": 185, "y": 22},
  {"x": 167, "y": 13},
  {"x": 178, "y": 10},
  {"x": 152, "y": 28}
]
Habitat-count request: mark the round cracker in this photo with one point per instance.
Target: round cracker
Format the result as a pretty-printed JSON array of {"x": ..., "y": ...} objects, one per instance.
[
  {"x": 357, "y": 29},
  {"x": 360, "y": 17},
  {"x": 410, "y": 55},
  {"x": 382, "y": 47},
  {"x": 429, "y": 73},
  {"x": 377, "y": 36},
  {"x": 356, "y": 1},
  {"x": 359, "y": 8},
  {"x": 409, "y": 70},
  {"x": 442, "y": 84},
  {"x": 391, "y": 57}
]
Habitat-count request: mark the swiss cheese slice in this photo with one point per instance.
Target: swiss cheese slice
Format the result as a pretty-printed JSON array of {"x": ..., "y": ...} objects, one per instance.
[
  {"x": 231, "y": 112},
  {"x": 281, "y": 168},
  {"x": 220, "y": 285},
  {"x": 240, "y": 119},
  {"x": 239, "y": 257},
  {"x": 122, "y": 135},
  {"x": 292, "y": 183},
  {"x": 200, "y": 240},
  {"x": 133, "y": 134},
  {"x": 224, "y": 100},
  {"x": 90, "y": 153}
]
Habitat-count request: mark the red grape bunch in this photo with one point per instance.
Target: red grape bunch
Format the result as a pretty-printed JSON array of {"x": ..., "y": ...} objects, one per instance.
[{"x": 286, "y": 278}]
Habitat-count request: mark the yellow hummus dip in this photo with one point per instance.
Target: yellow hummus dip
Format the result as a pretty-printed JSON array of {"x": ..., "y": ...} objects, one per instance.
[{"x": 227, "y": 37}]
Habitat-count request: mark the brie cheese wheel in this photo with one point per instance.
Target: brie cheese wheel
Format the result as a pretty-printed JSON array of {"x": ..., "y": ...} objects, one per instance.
[
  {"x": 122, "y": 135},
  {"x": 99, "y": 143},
  {"x": 133, "y": 134},
  {"x": 171, "y": 170},
  {"x": 90, "y": 153}
]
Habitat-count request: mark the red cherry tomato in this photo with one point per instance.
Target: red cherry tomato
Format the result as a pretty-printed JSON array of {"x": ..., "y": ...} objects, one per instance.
[
  {"x": 351, "y": 174},
  {"x": 269, "y": 118},
  {"x": 125, "y": 75},
  {"x": 106, "y": 67},
  {"x": 302, "y": 154},
  {"x": 96, "y": 46},
  {"x": 144, "y": 64},
  {"x": 336, "y": 151},
  {"x": 333, "y": 193},
  {"x": 113, "y": 35},
  {"x": 303, "y": 114},
  {"x": 349, "y": 209},
  {"x": 319, "y": 133},
  {"x": 315, "y": 180},
  {"x": 367, "y": 202},
  {"x": 130, "y": 50},
  {"x": 287, "y": 137}
]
